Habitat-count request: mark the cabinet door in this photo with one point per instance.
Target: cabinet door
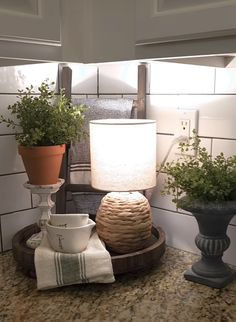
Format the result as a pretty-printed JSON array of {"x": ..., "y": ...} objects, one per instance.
[
  {"x": 159, "y": 21},
  {"x": 98, "y": 30},
  {"x": 32, "y": 21}
]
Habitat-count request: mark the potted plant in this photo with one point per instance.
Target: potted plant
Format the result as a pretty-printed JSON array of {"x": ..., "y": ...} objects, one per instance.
[
  {"x": 43, "y": 125},
  {"x": 206, "y": 187}
]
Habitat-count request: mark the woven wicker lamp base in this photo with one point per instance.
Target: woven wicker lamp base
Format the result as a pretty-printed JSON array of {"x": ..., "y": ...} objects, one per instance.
[{"x": 124, "y": 221}]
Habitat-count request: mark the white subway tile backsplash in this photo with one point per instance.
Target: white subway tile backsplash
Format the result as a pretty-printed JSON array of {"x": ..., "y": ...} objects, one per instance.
[
  {"x": 5, "y": 101},
  {"x": 168, "y": 145},
  {"x": 159, "y": 200},
  {"x": 180, "y": 229},
  {"x": 217, "y": 114},
  {"x": 171, "y": 78},
  {"x": 18, "y": 77},
  {"x": 163, "y": 109},
  {"x": 84, "y": 79},
  {"x": 228, "y": 147},
  {"x": 118, "y": 78},
  {"x": 206, "y": 143},
  {"x": 171, "y": 86},
  {"x": 229, "y": 255},
  {"x": 12, "y": 223},
  {"x": 196, "y": 102},
  {"x": 225, "y": 81},
  {"x": 10, "y": 160},
  {"x": 13, "y": 195},
  {"x": 164, "y": 143}
]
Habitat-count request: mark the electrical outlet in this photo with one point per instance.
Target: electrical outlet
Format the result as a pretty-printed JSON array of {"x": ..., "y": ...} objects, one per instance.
[
  {"x": 187, "y": 122},
  {"x": 184, "y": 127}
]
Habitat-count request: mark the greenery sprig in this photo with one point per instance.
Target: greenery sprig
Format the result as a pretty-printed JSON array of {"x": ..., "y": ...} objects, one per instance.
[
  {"x": 45, "y": 119},
  {"x": 200, "y": 176}
]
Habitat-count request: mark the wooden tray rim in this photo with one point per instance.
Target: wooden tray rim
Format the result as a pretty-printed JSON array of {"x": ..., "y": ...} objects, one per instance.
[{"x": 22, "y": 253}]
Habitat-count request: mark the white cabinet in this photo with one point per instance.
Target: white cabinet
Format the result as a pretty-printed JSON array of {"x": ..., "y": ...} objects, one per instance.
[
  {"x": 112, "y": 34},
  {"x": 30, "y": 29},
  {"x": 98, "y": 31},
  {"x": 90, "y": 31},
  {"x": 30, "y": 20},
  {"x": 160, "y": 21},
  {"x": 83, "y": 31},
  {"x": 170, "y": 28}
]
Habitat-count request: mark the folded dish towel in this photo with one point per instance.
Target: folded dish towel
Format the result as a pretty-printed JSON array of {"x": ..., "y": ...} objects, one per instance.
[{"x": 54, "y": 269}]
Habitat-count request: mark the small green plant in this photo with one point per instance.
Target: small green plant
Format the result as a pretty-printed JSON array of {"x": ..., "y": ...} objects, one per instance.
[
  {"x": 45, "y": 119},
  {"x": 200, "y": 176}
]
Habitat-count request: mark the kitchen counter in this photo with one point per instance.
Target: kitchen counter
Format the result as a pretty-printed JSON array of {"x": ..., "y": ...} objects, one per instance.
[{"x": 157, "y": 295}]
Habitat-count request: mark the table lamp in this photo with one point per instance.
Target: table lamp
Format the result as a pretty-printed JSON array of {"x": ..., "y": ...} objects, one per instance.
[{"x": 123, "y": 161}]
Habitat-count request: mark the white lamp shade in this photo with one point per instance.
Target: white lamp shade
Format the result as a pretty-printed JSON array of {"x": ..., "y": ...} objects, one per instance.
[{"x": 123, "y": 154}]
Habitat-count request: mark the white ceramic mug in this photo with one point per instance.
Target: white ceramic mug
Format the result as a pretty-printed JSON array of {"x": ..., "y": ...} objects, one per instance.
[
  {"x": 69, "y": 220},
  {"x": 69, "y": 239}
]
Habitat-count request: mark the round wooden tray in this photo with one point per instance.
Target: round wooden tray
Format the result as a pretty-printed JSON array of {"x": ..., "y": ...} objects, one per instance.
[{"x": 142, "y": 259}]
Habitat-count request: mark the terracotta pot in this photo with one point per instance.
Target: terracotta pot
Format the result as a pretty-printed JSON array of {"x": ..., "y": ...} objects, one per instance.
[{"x": 42, "y": 163}]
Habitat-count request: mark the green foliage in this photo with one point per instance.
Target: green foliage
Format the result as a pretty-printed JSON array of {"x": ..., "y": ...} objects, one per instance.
[
  {"x": 201, "y": 177},
  {"x": 45, "y": 119}
]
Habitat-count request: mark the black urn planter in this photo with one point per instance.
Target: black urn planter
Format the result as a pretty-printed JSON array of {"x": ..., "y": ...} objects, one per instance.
[{"x": 213, "y": 220}]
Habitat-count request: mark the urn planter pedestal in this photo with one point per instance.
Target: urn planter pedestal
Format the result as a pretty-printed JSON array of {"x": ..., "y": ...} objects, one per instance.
[{"x": 213, "y": 220}]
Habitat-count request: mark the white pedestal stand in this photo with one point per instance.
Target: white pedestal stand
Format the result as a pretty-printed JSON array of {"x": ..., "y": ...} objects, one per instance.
[{"x": 45, "y": 205}]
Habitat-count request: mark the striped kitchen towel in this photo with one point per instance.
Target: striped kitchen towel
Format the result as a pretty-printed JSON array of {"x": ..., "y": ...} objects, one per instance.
[{"x": 54, "y": 269}]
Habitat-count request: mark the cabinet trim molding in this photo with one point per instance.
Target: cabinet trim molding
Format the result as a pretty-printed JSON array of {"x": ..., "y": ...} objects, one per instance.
[
  {"x": 157, "y": 11},
  {"x": 30, "y": 40},
  {"x": 205, "y": 35},
  {"x": 179, "y": 22}
]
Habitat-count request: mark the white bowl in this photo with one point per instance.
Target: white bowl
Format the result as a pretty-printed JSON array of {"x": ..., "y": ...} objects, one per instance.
[
  {"x": 69, "y": 220},
  {"x": 70, "y": 239}
]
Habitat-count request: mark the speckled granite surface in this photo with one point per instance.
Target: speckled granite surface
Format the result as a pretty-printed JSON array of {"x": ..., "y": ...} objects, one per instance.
[{"x": 157, "y": 295}]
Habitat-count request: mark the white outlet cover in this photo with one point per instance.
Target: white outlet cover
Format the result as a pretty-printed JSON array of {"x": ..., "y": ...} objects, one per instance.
[{"x": 187, "y": 114}]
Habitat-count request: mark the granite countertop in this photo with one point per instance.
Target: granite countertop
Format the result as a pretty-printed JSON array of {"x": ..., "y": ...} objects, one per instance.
[{"x": 157, "y": 295}]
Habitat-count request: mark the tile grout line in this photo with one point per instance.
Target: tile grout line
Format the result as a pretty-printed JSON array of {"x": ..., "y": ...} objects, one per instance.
[
  {"x": 12, "y": 174},
  {"x": 16, "y": 211},
  {"x": 214, "y": 85}
]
